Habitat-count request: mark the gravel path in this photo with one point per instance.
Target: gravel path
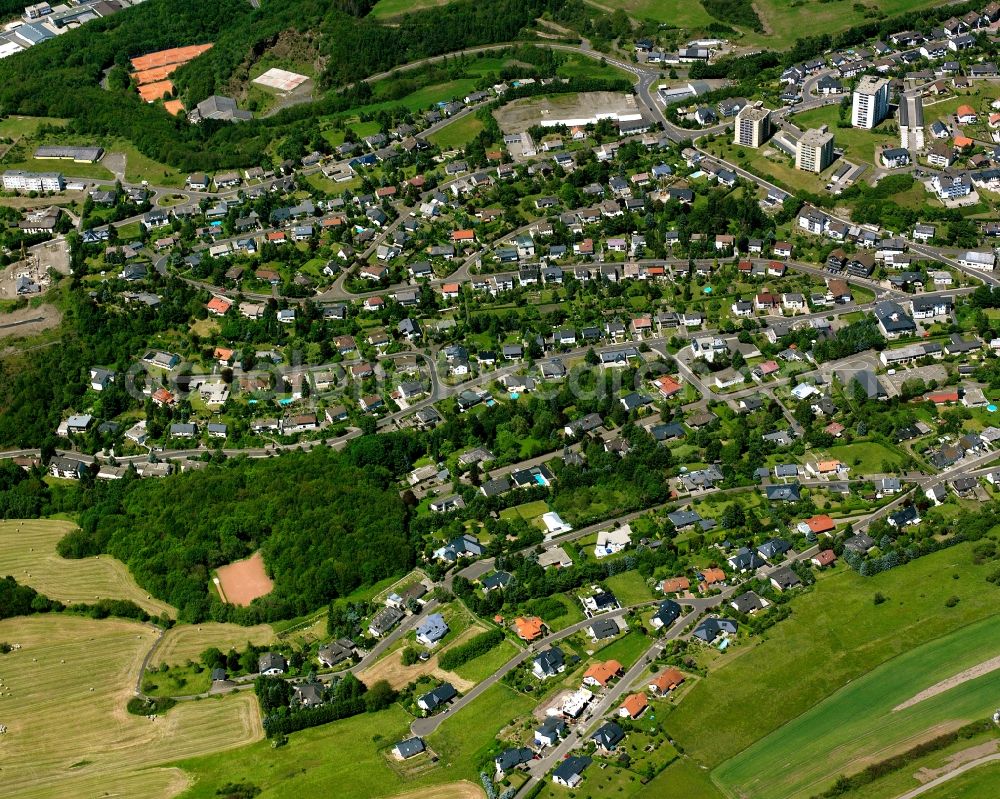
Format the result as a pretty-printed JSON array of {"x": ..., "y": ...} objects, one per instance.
[{"x": 945, "y": 685}]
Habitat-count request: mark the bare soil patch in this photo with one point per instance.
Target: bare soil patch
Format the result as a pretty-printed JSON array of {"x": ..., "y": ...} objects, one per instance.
[
  {"x": 925, "y": 774},
  {"x": 26, "y": 322},
  {"x": 453, "y": 790},
  {"x": 945, "y": 685},
  {"x": 242, "y": 582},
  {"x": 391, "y": 668}
]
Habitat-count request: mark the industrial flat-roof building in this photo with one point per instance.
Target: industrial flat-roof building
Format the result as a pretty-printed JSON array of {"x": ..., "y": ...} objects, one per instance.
[{"x": 82, "y": 155}]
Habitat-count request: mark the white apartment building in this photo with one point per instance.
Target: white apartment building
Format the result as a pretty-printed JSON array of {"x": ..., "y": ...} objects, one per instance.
[
  {"x": 814, "y": 151},
  {"x": 753, "y": 126},
  {"x": 19, "y": 180},
  {"x": 871, "y": 102}
]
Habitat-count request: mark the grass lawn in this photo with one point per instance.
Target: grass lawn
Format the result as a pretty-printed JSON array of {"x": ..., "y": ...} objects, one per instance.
[
  {"x": 676, "y": 12},
  {"x": 574, "y": 613},
  {"x": 530, "y": 511},
  {"x": 70, "y": 169},
  {"x": 627, "y": 649},
  {"x": 416, "y": 100},
  {"x": 978, "y": 783},
  {"x": 181, "y": 681},
  {"x": 630, "y": 588},
  {"x": 858, "y": 145},
  {"x": 858, "y": 723},
  {"x": 680, "y": 778},
  {"x": 462, "y": 739},
  {"x": 835, "y": 635},
  {"x": 28, "y": 551},
  {"x": 206, "y": 327},
  {"x": 68, "y": 732},
  {"x": 458, "y": 133},
  {"x": 351, "y": 753},
  {"x": 779, "y": 167},
  {"x": 581, "y": 66},
  {"x": 16, "y": 126},
  {"x": 129, "y": 232},
  {"x": 395, "y": 8},
  {"x": 864, "y": 457},
  {"x": 139, "y": 167},
  {"x": 483, "y": 666}
]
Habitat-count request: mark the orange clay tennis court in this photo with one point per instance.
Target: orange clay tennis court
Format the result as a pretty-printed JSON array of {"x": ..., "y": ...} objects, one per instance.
[
  {"x": 152, "y": 92},
  {"x": 240, "y": 583},
  {"x": 154, "y": 74},
  {"x": 175, "y": 55}
]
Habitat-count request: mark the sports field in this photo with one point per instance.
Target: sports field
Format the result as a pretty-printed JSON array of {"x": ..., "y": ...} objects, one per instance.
[
  {"x": 836, "y": 635},
  {"x": 28, "y": 553},
  {"x": 858, "y": 725},
  {"x": 68, "y": 733},
  {"x": 242, "y": 582}
]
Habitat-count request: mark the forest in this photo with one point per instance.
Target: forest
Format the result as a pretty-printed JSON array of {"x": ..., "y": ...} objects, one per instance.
[
  {"x": 325, "y": 527},
  {"x": 61, "y": 77},
  {"x": 37, "y": 386}
]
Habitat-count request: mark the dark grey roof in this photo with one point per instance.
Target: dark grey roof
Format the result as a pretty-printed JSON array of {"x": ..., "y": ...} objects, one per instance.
[
  {"x": 410, "y": 747},
  {"x": 604, "y": 628},
  {"x": 710, "y": 629},
  {"x": 609, "y": 735},
  {"x": 571, "y": 767}
]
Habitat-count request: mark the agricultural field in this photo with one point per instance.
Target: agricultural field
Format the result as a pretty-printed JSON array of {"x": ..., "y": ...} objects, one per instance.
[
  {"x": 680, "y": 778},
  {"x": 363, "y": 767},
  {"x": 866, "y": 721},
  {"x": 921, "y": 770},
  {"x": 187, "y": 641},
  {"x": 982, "y": 782},
  {"x": 28, "y": 553},
  {"x": 823, "y": 647},
  {"x": 72, "y": 668}
]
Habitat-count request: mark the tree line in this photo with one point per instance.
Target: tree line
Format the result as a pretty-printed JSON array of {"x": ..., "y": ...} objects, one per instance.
[{"x": 325, "y": 527}]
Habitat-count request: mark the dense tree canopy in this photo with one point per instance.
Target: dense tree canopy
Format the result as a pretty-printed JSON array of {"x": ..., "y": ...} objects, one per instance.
[
  {"x": 324, "y": 526},
  {"x": 62, "y": 77}
]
